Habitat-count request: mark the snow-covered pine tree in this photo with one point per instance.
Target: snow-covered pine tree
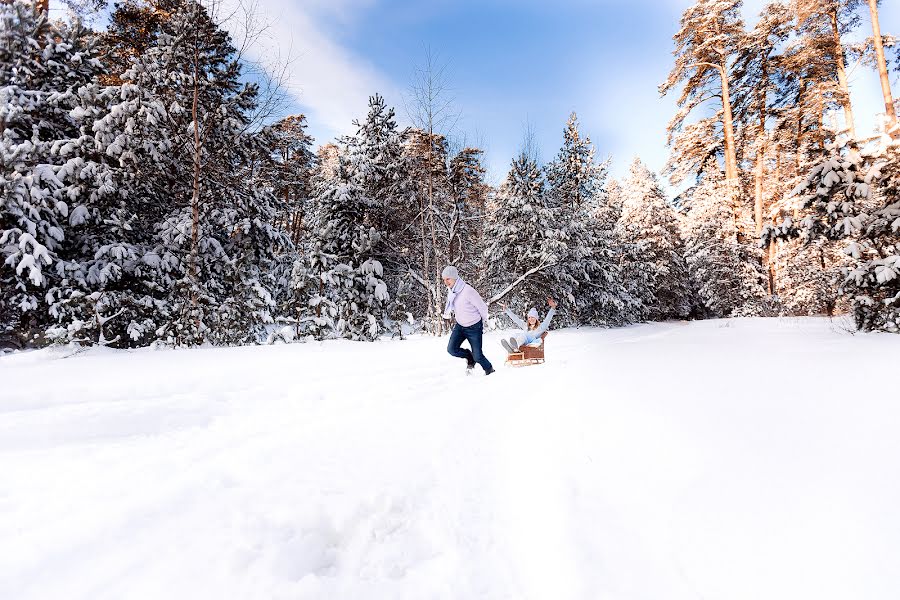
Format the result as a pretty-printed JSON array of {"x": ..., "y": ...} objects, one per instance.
[
  {"x": 42, "y": 67},
  {"x": 185, "y": 249},
  {"x": 518, "y": 242},
  {"x": 809, "y": 275},
  {"x": 587, "y": 270},
  {"x": 854, "y": 197},
  {"x": 375, "y": 155},
  {"x": 635, "y": 279},
  {"x": 340, "y": 282},
  {"x": 379, "y": 166},
  {"x": 726, "y": 271},
  {"x": 133, "y": 28},
  {"x": 111, "y": 290},
  {"x": 648, "y": 224},
  {"x": 821, "y": 24},
  {"x": 233, "y": 243},
  {"x": 287, "y": 168},
  {"x": 464, "y": 225},
  {"x": 792, "y": 65}
]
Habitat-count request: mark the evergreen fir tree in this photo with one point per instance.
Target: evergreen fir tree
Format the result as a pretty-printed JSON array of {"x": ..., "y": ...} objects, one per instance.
[
  {"x": 468, "y": 192},
  {"x": 587, "y": 271},
  {"x": 518, "y": 241},
  {"x": 726, "y": 272},
  {"x": 341, "y": 282},
  {"x": 287, "y": 167},
  {"x": 854, "y": 197},
  {"x": 181, "y": 245},
  {"x": 379, "y": 166},
  {"x": 649, "y": 226},
  {"x": 42, "y": 67}
]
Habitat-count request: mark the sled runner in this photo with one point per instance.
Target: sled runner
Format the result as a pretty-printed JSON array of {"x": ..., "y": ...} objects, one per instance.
[{"x": 528, "y": 355}]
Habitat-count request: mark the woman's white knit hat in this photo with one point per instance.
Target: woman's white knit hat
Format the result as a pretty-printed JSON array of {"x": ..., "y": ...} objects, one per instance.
[
  {"x": 534, "y": 313},
  {"x": 450, "y": 271}
]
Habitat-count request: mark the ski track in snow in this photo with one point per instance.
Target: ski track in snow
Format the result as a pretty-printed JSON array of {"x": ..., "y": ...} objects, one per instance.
[{"x": 739, "y": 459}]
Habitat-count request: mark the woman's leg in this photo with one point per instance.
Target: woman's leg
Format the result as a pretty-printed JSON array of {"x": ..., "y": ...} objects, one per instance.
[{"x": 523, "y": 339}]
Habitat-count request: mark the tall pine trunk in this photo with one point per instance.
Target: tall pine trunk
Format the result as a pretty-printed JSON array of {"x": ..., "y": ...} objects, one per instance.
[
  {"x": 761, "y": 150},
  {"x": 426, "y": 269},
  {"x": 889, "y": 109},
  {"x": 731, "y": 170},
  {"x": 195, "y": 197},
  {"x": 842, "y": 74}
]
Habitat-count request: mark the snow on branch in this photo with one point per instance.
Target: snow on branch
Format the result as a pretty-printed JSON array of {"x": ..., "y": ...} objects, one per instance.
[{"x": 521, "y": 279}]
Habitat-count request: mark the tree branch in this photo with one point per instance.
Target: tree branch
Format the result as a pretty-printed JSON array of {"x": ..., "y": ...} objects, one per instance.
[{"x": 521, "y": 279}]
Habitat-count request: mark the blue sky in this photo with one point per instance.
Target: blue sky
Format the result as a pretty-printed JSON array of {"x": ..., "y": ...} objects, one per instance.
[{"x": 510, "y": 63}]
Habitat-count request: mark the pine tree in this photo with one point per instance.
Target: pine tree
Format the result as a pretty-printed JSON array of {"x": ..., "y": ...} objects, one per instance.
[
  {"x": 42, "y": 67},
  {"x": 342, "y": 282},
  {"x": 379, "y": 166},
  {"x": 890, "y": 110},
  {"x": 284, "y": 167},
  {"x": 725, "y": 271},
  {"x": 854, "y": 197},
  {"x": 287, "y": 168},
  {"x": 134, "y": 27},
  {"x": 179, "y": 245},
  {"x": 465, "y": 221},
  {"x": 705, "y": 50},
  {"x": 755, "y": 93},
  {"x": 649, "y": 226},
  {"x": 809, "y": 276},
  {"x": 587, "y": 270},
  {"x": 518, "y": 242}
]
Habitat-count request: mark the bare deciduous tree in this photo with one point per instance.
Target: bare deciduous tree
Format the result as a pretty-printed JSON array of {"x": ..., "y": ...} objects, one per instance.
[{"x": 430, "y": 108}]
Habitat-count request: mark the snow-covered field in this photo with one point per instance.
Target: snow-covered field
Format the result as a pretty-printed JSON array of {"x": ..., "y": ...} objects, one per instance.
[{"x": 733, "y": 460}]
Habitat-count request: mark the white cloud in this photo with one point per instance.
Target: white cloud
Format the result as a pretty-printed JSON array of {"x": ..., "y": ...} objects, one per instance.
[{"x": 327, "y": 80}]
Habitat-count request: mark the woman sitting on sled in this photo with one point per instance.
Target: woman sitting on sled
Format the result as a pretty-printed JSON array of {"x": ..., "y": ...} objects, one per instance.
[{"x": 531, "y": 331}]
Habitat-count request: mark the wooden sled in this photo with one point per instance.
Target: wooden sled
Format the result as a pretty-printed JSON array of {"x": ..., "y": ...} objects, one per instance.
[{"x": 528, "y": 355}]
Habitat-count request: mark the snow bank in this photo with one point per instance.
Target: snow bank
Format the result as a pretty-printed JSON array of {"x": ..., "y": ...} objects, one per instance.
[{"x": 739, "y": 459}]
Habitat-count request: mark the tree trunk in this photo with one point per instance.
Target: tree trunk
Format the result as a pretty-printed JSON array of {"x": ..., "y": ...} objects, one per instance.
[
  {"x": 822, "y": 139},
  {"x": 426, "y": 268},
  {"x": 436, "y": 282},
  {"x": 889, "y": 110},
  {"x": 758, "y": 190},
  {"x": 193, "y": 257},
  {"x": 770, "y": 248},
  {"x": 731, "y": 171},
  {"x": 842, "y": 74},
  {"x": 798, "y": 134},
  {"x": 195, "y": 198},
  {"x": 761, "y": 151}
]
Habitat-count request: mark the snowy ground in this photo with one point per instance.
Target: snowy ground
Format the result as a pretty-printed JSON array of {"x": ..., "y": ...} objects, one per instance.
[{"x": 733, "y": 460}]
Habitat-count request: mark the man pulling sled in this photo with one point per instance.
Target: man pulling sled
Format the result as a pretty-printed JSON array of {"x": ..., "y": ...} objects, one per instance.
[{"x": 471, "y": 312}]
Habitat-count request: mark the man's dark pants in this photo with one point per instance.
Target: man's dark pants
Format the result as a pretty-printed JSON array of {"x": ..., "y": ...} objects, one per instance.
[{"x": 473, "y": 334}]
